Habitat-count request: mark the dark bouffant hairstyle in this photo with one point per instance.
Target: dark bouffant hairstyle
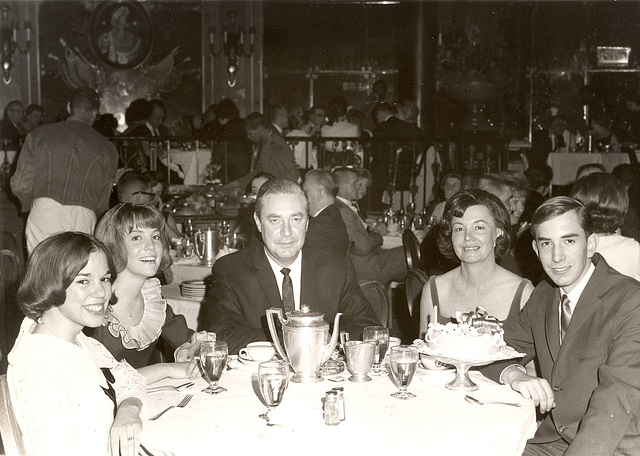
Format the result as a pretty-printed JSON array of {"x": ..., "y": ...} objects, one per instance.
[
  {"x": 457, "y": 206},
  {"x": 605, "y": 199},
  {"x": 121, "y": 220},
  {"x": 52, "y": 267}
]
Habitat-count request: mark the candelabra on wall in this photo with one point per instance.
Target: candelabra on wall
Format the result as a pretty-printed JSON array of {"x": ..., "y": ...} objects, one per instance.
[
  {"x": 233, "y": 37},
  {"x": 9, "y": 42}
]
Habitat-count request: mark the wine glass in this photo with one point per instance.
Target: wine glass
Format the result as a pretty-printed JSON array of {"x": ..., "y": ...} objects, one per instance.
[
  {"x": 213, "y": 359},
  {"x": 273, "y": 380},
  {"x": 404, "y": 361},
  {"x": 379, "y": 335}
]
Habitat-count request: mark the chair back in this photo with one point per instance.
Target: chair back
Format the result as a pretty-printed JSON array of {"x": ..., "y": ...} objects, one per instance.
[
  {"x": 378, "y": 297},
  {"x": 12, "y": 439},
  {"x": 10, "y": 272},
  {"x": 411, "y": 247},
  {"x": 414, "y": 283}
]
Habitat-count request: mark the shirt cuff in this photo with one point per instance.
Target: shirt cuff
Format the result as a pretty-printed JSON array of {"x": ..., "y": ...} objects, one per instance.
[{"x": 518, "y": 366}]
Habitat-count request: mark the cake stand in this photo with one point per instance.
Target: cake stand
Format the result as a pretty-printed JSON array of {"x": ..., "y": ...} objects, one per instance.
[{"x": 462, "y": 382}]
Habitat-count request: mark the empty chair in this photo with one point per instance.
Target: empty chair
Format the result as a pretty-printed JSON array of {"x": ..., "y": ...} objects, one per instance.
[
  {"x": 12, "y": 440},
  {"x": 378, "y": 297},
  {"x": 414, "y": 283},
  {"x": 411, "y": 247}
]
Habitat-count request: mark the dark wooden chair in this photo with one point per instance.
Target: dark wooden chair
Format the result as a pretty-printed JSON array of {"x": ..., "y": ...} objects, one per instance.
[
  {"x": 414, "y": 283},
  {"x": 10, "y": 275},
  {"x": 411, "y": 247},
  {"x": 378, "y": 297}
]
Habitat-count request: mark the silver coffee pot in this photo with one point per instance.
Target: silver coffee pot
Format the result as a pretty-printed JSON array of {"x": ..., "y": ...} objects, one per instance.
[
  {"x": 206, "y": 245},
  {"x": 306, "y": 341}
]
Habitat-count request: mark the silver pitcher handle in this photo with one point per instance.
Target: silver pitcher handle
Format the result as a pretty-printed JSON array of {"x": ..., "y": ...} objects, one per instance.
[
  {"x": 197, "y": 241},
  {"x": 274, "y": 333},
  {"x": 344, "y": 337}
]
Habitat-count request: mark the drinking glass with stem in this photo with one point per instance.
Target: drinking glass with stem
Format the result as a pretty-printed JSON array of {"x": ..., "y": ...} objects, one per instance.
[
  {"x": 273, "y": 380},
  {"x": 379, "y": 335},
  {"x": 213, "y": 359},
  {"x": 404, "y": 361}
]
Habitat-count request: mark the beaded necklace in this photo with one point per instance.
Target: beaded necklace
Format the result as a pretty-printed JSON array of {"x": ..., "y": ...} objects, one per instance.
[{"x": 50, "y": 329}]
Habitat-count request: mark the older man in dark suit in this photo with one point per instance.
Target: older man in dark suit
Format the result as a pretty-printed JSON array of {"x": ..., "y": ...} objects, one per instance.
[
  {"x": 370, "y": 260},
  {"x": 326, "y": 228},
  {"x": 281, "y": 273},
  {"x": 585, "y": 335}
]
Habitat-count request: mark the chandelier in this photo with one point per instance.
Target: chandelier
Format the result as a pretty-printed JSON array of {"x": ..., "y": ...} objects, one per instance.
[
  {"x": 9, "y": 42},
  {"x": 233, "y": 37}
]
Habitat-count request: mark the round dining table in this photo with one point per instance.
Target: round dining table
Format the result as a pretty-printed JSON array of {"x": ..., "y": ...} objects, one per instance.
[{"x": 437, "y": 421}]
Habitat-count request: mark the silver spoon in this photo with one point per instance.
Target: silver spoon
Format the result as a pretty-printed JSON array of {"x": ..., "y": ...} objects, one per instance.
[{"x": 473, "y": 400}]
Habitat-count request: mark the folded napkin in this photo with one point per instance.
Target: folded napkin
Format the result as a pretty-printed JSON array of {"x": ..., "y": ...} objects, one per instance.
[{"x": 189, "y": 349}]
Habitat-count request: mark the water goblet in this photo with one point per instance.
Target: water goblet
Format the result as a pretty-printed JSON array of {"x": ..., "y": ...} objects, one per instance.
[
  {"x": 379, "y": 335},
  {"x": 273, "y": 380},
  {"x": 404, "y": 361},
  {"x": 213, "y": 358}
]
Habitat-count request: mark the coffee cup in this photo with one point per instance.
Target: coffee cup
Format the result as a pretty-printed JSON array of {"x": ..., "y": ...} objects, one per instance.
[
  {"x": 258, "y": 351},
  {"x": 431, "y": 363}
]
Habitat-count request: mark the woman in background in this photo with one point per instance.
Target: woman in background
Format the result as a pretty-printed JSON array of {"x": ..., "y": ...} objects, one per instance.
[
  {"x": 606, "y": 201},
  {"x": 135, "y": 235},
  {"x": 475, "y": 229},
  {"x": 71, "y": 397}
]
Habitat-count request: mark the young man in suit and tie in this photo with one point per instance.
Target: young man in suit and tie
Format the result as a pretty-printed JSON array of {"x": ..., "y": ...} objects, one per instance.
[
  {"x": 281, "y": 273},
  {"x": 584, "y": 332}
]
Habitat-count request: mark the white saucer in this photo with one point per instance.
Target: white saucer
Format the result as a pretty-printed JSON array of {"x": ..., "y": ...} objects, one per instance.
[{"x": 249, "y": 362}]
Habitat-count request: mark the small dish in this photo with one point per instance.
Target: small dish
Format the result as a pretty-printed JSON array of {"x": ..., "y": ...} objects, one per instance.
[{"x": 248, "y": 361}]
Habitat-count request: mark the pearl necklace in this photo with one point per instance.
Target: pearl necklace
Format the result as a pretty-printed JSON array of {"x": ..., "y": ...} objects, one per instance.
[{"x": 48, "y": 328}]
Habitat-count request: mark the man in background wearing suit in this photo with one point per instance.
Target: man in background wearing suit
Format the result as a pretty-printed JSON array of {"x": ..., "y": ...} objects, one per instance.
[
  {"x": 584, "y": 333},
  {"x": 281, "y": 273},
  {"x": 371, "y": 261},
  {"x": 390, "y": 135},
  {"x": 271, "y": 153},
  {"x": 326, "y": 228}
]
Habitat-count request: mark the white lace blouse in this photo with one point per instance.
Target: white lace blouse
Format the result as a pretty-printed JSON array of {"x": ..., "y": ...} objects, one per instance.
[{"x": 56, "y": 390}]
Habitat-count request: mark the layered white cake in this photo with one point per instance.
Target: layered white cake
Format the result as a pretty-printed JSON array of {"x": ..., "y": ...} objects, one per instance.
[{"x": 463, "y": 341}]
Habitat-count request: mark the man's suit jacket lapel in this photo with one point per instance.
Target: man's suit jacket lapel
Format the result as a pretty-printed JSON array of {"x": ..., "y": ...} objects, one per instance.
[
  {"x": 266, "y": 278},
  {"x": 588, "y": 303},
  {"x": 309, "y": 279},
  {"x": 552, "y": 319}
]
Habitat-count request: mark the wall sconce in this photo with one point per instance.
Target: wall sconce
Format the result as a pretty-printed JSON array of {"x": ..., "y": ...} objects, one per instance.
[
  {"x": 9, "y": 42},
  {"x": 232, "y": 45}
]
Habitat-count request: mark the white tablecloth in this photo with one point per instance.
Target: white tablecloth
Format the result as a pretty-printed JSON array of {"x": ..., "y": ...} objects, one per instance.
[
  {"x": 391, "y": 241},
  {"x": 182, "y": 272},
  {"x": 565, "y": 165},
  {"x": 437, "y": 422},
  {"x": 11, "y": 155},
  {"x": 194, "y": 164}
]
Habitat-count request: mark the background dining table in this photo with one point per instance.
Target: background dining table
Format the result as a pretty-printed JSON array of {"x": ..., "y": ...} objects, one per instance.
[
  {"x": 193, "y": 162},
  {"x": 438, "y": 421},
  {"x": 565, "y": 165}
]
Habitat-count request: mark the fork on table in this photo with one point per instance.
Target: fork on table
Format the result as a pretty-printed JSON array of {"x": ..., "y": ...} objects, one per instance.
[
  {"x": 182, "y": 404},
  {"x": 155, "y": 389}
]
